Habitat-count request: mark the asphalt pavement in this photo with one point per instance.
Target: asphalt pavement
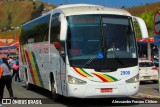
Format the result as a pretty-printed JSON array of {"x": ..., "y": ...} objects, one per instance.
[{"x": 148, "y": 91}]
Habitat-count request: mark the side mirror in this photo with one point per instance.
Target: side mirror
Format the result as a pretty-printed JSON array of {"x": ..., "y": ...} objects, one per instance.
[
  {"x": 142, "y": 27},
  {"x": 64, "y": 26}
]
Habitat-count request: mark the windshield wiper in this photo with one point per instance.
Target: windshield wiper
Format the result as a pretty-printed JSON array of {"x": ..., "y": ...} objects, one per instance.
[
  {"x": 91, "y": 59},
  {"x": 117, "y": 59},
  {"x": 88, "y": 62}
]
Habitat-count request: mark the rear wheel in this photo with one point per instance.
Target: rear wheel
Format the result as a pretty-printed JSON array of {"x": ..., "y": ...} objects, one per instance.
[
  {"x": 28, "y": 85},
  {"x": 155, "y": 81}
]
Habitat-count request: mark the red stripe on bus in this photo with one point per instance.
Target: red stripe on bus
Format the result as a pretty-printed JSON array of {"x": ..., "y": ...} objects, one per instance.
[
  {"x": 103, "y": 79},
  {"x": 30, "y": 67},
  {"x": 78, "y": 72}
]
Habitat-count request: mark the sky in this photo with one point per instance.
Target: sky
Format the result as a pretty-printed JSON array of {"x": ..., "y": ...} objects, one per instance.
[{"x": 108, "y": 3}]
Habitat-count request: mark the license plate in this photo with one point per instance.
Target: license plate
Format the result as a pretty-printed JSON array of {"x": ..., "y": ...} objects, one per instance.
[
  {"x": 105, "y": 90},
  {"x": 147, "y": 77}
]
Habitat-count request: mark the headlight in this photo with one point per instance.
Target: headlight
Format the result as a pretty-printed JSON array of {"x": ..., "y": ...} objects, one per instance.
[
  {"x": 133, "y": 79},
  {"x": 73, "y": 80}
]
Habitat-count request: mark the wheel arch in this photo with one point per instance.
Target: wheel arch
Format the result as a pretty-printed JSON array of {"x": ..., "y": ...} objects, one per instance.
[{"x": 51, "y": 79}]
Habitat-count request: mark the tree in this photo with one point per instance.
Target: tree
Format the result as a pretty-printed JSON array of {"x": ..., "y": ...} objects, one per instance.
[
  {"x": 123, "y": 7},
  {"x": 38, "y": 11},
  {"x": 9, "y": 19}
]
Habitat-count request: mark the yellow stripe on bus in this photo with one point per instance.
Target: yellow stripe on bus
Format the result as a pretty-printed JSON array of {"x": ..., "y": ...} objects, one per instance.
[
  {"x": 82, "y": 72},
  {"x": 34, "y": 69},
  {"x": 106, "y": 77}
]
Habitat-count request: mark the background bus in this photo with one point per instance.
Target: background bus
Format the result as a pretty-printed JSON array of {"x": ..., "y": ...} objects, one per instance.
[{"x": 65, "y": 51}]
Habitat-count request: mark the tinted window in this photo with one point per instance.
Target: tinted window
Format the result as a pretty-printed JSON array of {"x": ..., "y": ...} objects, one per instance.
[
  {"x": 35, "y": 31},
  {"x": 55, "y": 32},
  {"x": 146, "y": 64},
  {"x": 90, "y": 37}
]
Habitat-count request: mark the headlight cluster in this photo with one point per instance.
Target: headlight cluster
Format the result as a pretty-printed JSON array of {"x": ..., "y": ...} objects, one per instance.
[
  {"x": 133, "y": 79},
  {"x": 73, "y": 80}
]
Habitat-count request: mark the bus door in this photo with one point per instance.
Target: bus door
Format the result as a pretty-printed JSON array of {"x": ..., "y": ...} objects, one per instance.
[
  {"x": 63, "y": 68},
  {"x": 55, "y": 56}
]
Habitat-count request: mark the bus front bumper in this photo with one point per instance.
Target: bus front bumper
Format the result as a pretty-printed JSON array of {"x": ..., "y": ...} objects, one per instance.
[{"x": 103, "y": 90}]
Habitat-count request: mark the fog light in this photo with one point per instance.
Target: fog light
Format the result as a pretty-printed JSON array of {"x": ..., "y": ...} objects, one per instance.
[
  {"x": 75, "y": 89},
  {"x": 133, "y": 79}
]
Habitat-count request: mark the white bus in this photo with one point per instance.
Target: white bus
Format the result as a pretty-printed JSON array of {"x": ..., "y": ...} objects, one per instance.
[{"x": 66, "y": 52}]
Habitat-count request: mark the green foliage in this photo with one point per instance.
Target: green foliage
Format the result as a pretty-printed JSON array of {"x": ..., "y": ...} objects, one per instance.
[
  {"x": 37, "y": 12},
  {"x": 148, "y": 17},
  {"x": 123, "y": 7},
  {"x": 9, "y": 19},
  {"x": 146, "y": 12},
  {"x": 34, "y": 3},
  {"x": 15, "y": 13},
  {"x": 138, "y": 33},
  {"x": 10, "y": 32}
]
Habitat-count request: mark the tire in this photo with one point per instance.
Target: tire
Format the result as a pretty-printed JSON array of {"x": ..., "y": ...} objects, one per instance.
[
  {"x": 28, "y": 85},
  {"x": 155, "y": 81}
]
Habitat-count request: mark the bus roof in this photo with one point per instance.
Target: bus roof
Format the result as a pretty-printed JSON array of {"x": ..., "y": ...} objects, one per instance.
[{"x": 77, "y": 9}]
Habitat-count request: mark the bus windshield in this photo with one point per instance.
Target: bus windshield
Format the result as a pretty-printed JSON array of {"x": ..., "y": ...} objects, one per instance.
[{"x": 101, "y": 42}]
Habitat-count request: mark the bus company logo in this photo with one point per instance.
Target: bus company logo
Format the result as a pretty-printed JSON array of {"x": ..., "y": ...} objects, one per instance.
[
  {"x": 21, "y": 101},
  {"x": 6, "y": 101}
]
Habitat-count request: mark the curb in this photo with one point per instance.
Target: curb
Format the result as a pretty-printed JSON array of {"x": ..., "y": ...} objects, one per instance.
[{"x": 141, "y": 95}]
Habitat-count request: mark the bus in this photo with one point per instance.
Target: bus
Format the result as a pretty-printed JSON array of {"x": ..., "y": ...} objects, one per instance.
[{"x": 66, "y": 52}]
